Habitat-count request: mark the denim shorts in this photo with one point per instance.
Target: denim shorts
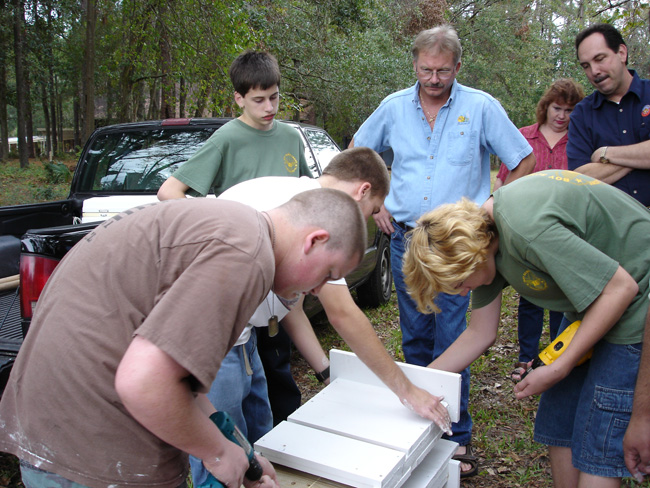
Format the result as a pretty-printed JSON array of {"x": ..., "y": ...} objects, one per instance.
[{"x": 590, "y": 409}]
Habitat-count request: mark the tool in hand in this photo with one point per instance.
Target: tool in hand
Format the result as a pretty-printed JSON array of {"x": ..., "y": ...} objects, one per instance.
[
  {"x": 556, "y": 348},
  {"x": 233, "y": 434}
]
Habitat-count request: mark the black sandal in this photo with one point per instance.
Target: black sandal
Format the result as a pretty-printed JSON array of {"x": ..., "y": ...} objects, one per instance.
[{"x": 520, "y": 368}]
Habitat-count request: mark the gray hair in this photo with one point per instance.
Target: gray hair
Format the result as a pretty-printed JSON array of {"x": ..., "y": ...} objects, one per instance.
[{"x": 443, "y": 37}]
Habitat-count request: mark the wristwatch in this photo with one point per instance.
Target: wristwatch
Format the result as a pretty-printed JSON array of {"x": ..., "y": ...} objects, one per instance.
[
  {"x": 323, "y": 375},
  {"x": 603, "y": 159}
]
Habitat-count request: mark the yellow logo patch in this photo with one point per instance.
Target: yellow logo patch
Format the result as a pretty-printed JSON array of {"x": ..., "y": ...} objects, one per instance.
[
  {"x": 534, "y": 282},
  {"x": 571, "y": 177},
  {"x": 290, "y": 162}
]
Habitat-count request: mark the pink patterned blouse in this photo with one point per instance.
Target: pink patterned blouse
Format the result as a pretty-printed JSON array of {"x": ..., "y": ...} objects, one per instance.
[{"x": 546, "y": 157}]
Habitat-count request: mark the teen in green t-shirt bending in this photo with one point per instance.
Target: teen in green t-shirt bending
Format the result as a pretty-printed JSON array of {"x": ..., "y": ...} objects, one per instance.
[{"x": 565, "y": 242}]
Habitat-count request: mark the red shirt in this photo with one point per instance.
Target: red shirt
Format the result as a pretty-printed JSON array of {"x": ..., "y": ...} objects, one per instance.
[{"x": 546, "y": 157}]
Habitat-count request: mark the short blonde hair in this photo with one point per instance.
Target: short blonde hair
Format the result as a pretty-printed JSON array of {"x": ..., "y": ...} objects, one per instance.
[
  {"x": 447, "y": 245},
  {"x": 334, "y": 211}
]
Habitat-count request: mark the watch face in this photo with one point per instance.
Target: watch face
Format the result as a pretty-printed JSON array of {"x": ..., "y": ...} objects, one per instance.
[{"x": 604, "y": 160}]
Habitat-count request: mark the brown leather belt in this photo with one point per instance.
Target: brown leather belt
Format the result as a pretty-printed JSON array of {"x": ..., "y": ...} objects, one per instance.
[{"x": 402, "y": 226}]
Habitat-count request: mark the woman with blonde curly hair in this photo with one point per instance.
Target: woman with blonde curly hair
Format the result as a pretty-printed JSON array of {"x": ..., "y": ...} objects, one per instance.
[{"x": 565, "y": 242}]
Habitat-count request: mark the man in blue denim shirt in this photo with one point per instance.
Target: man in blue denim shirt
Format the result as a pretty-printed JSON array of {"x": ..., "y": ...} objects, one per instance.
[
  {"x": 442, "y": 134},
  {"x": 609, "y": 131}
]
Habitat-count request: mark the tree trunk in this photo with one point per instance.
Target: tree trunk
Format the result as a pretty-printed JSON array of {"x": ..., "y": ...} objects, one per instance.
[
  {"x": 76, "y": 116},
  {"x": 52, "y": 96},
  {"x": 126, "y": 86},
  {"x": 46, "y": 116},
  {"x": 154, "y": 95},
  {"x": 167, "y": 98},
  {"x": 50, "y": 86},
  {"x": 182, "y": 96},
  {"x": 4, "y": 48},
  {"x": 29, "y": 122},
  {"x": 19, "y": 25},
  {"x": 140, "y": 107},
  {"x": 88, "y": 77},
  {"x": 4, "y": 128},
  {"x": 59, "y": 118}
]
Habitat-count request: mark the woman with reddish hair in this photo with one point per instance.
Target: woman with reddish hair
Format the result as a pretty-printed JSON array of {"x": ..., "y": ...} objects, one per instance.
[{"x": 548, "y": 138}]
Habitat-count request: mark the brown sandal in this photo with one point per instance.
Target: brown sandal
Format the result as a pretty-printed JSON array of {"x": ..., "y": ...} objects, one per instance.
[{"x": 470, "y": 458}]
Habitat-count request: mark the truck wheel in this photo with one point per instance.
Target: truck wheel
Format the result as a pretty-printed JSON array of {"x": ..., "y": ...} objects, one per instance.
[{"x": 377, "y": 290}]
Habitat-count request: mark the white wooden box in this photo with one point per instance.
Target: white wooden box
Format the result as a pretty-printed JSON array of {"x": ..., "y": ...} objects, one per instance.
[{"x": 357, "y": 432}]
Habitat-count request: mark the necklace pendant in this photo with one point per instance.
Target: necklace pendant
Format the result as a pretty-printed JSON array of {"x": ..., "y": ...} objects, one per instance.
[{"x": 274, "y": 326}]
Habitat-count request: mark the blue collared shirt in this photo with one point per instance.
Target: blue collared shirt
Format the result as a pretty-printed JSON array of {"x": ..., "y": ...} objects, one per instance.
[
  {"x": 452, "y": 161},
  {"x": 596, "y": 122}
]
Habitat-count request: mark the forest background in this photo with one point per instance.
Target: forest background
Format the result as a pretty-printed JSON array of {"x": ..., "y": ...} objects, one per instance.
[{"x": 71, "y": 66}]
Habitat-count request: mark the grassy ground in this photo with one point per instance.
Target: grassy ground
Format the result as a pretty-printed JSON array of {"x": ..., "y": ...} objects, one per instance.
[
  {"x": 40, "y": 182},
  {"x": 503, "y": 426}
]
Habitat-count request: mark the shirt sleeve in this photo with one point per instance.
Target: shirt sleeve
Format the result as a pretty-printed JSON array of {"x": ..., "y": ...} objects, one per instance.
[
  {"x": 484, "y": 295},
  {"x": 200, "y": 171},
  {"x": 579, "y": 147},
  {"x": 373, "y": 132},
  {"x": 579, "y": 269},
  {"x": 502, "y": 137}
]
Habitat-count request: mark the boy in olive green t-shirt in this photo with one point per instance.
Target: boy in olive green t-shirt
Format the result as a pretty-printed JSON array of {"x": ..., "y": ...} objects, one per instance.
[{"x": 251, "y": 146}]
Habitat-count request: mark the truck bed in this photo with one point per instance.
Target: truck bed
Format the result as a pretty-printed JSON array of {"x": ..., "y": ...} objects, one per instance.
[{"x": 11, "y": 335}]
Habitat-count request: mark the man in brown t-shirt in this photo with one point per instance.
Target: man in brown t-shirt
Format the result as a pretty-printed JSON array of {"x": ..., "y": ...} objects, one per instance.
[{"x": 135, "y": 321}]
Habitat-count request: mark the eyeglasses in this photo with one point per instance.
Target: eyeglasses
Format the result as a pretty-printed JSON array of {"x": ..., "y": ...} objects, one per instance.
[{"x": 443, "y": 73}]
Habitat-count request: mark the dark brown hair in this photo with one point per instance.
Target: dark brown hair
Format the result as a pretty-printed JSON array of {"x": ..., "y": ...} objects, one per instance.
[{"x": 253, "y": 69}]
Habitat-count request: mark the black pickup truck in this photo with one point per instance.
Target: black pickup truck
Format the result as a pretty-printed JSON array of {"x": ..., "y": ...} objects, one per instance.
[{"x": 122, "y": 166}]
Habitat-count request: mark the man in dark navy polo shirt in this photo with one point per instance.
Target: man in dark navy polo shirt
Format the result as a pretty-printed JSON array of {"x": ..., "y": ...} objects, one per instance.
[{"x": 609, "y": 132}]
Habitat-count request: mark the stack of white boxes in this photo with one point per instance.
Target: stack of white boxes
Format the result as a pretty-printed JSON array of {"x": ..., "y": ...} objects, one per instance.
[{"x": 357, "y": 432}]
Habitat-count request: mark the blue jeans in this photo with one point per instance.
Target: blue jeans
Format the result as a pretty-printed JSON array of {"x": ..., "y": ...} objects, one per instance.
[
  {"x": 590, "y": 410},
  {"x": 241, "y": 392},
  {"x": 33, "y": 477},
  {"x": 531, "y": 323},
  {"x": 427, "y": 336}
]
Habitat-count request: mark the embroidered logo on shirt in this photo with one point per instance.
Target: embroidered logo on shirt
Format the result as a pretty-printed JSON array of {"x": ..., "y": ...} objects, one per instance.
[
  {"x": 463, "y": 119},
  {"x": 534, "y": 282},
  {"x": 646, "y": 111},
  {"x": 290, "y": 162},
  {"x": 568, "y": 177}
]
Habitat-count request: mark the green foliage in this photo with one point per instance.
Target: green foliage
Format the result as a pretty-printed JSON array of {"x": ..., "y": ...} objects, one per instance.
[
  {"x": 57, "y": 172},
  {"x": 339, "y": 58}
]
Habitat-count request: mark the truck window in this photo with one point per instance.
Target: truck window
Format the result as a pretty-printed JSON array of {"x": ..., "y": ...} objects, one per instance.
[{"x": 138, "y": 161}]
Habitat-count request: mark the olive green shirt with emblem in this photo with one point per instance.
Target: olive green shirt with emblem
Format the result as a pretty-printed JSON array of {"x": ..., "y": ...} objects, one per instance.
[
  {"x": 237, "y": 152},
  {"x": 562, "y": 235}
]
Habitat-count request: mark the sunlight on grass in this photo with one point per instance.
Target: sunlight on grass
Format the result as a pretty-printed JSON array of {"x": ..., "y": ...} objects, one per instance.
[{"x": 33, "y": 184}]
